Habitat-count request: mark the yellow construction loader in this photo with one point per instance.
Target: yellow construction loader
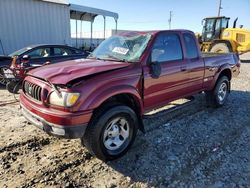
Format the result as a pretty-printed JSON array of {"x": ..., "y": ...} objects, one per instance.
[{"x": 219, "y": 38}]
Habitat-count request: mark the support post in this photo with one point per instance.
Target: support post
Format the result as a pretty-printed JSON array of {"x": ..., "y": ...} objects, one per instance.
[
  {"x": 104, "y": 27},
  {"x": 76, "y": 29},
  {"x": 115, "y": 26},
  {"x": 81, "y": 37},
  {"x": 81, "y": 34},
  {"x": 91, "y": 32}
]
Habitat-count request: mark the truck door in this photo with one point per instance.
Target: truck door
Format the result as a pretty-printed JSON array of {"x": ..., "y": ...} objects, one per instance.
[
  {"x": 166, "y": 51},
  {"x": 195, "y": 64}
]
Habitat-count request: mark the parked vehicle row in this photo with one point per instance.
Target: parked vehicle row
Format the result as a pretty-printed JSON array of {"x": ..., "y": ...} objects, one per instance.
[{"x": 102, "y": 99}]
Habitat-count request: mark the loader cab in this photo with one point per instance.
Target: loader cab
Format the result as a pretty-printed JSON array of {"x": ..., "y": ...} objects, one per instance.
[{"x": 212, "y": 27}]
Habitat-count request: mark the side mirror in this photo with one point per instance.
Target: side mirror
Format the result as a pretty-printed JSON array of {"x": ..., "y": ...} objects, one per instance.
[
  {"x": 155, "y": 69},
  {"x": 155, "y": 65}
]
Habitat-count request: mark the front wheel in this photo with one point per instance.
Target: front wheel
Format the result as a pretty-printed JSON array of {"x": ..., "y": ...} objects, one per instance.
[
  {"x": 111, "y": 132},
  {"x": 218, "y": 96}
]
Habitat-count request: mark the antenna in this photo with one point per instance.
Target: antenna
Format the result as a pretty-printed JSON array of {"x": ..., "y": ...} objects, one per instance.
[
  {"x": 220, "y": 7},
  {"x": 170, "y": 19}
]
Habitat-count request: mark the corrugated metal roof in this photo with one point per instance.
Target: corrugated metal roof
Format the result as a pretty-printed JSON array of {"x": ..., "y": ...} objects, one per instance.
[
  {"x": 64, "y": 2},
  {"x": 87, "y": 13}
]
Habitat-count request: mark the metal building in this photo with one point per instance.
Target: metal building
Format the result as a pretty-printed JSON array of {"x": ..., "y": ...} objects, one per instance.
[{"x": 26, "y": 22}]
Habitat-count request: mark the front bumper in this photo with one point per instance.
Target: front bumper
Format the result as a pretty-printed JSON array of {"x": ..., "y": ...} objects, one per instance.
[{"x": 69, "y": 132}]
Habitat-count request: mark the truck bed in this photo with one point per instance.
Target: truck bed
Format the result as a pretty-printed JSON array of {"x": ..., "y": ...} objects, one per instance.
[
  {"x": 210, "y": 54},
  {"x": 215, "y": 61}
]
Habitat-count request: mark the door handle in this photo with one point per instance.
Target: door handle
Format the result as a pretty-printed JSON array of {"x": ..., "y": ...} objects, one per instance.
[
  {"x": 183, "y": 69},
  {"x": 211, "y": 68}
]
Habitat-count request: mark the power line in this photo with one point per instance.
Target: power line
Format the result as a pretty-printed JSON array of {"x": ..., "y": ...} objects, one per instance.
[{"x": 220, "y": 7}]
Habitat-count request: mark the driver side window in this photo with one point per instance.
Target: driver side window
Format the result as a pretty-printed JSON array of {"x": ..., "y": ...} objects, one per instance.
[
  {"x": 39, "y": 53},
  {"x": 167, "y": 47}
]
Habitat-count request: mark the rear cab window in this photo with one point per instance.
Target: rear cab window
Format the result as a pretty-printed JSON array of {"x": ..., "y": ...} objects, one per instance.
[
  {"x": 191, "y": 46},
  {"x": 167, "y": 47}
]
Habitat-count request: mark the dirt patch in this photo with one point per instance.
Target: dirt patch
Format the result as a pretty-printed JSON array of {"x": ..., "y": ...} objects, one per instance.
[{"x": 194, "y": 146}]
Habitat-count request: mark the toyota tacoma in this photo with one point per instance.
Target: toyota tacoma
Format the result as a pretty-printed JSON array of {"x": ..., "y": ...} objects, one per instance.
[{"x": 102, "y": 99}]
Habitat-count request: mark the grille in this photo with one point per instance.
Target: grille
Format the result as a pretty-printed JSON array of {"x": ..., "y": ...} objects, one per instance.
[
  {"x": 32, "y": 90},
  {"x": 240, "y": 37}
]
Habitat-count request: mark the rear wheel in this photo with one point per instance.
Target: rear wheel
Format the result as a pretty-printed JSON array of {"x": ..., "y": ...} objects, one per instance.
[
  {"x": 220, "y": 48},
  {"x": 218, "y": 96},
  {"x": 111, "y": 132}
]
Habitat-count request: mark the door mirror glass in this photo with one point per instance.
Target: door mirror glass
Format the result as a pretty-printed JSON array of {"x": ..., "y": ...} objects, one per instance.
[
  {"x": 155, "y": 66},
  {"x": 155, "y": 69}
]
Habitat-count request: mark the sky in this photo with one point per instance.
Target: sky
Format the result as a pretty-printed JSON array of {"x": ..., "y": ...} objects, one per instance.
[{"x": 154, "y": 15}]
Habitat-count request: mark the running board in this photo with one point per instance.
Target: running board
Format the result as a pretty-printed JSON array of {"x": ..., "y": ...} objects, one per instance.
[{"x": 171, "y": 107}]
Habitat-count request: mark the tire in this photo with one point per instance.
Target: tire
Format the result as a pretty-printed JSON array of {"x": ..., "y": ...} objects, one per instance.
[
  {"x": 220, "y": 48},
  {"x": 3, "y": 80},
  {"x": 111, "y": 132},
  {"x": 13, "y": 87},
  {"x": 218, "y": 96}
]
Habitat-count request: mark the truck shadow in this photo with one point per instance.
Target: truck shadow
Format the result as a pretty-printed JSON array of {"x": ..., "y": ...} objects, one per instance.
[
  {"x": 245, "y": 61},
  {"x": 181, "y": 147}
]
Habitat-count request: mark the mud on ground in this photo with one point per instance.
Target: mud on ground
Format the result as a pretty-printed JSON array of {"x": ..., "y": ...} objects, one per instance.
[{"x": 195, "y": 146}]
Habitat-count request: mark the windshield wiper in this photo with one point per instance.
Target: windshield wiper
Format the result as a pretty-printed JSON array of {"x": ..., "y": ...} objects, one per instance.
[
  {"x": 92, "y": 57},
  {"x": 117, "y": 59},
  {"x": 109, "y": 58}
]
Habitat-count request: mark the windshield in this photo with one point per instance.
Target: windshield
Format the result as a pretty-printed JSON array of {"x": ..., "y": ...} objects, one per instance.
[
  {"x": 19, "y": 52},
  {"x": 122, "y": 48}
]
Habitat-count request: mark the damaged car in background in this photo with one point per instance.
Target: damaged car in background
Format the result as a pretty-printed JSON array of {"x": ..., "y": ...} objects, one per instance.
[{"x": 35, "y": 56}]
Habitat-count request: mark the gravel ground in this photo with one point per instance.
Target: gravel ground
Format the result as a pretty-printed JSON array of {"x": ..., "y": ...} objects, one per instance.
[{"x": 191, "y": 147}]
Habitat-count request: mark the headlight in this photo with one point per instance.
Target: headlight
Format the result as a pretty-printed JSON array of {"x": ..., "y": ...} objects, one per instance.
[{"x": 66, "y": 99}]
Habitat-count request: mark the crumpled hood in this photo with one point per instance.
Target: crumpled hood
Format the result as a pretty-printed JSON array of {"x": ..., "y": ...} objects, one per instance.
[{"x": 62, "y": 73}]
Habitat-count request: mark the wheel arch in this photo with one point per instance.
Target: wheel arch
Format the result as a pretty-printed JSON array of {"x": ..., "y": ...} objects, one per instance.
[
  {"x": 224, "y": 71},
  {"x": 123, "y": 95}
]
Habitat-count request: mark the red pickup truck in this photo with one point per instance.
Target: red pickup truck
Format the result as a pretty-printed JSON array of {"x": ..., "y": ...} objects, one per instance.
[{"x": 102, "y": 99}]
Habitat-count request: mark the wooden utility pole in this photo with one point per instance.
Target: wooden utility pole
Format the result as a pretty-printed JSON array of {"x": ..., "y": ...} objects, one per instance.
[
  {"x": 220, "y": 7},
  {"x": 170, "y": 19}
]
